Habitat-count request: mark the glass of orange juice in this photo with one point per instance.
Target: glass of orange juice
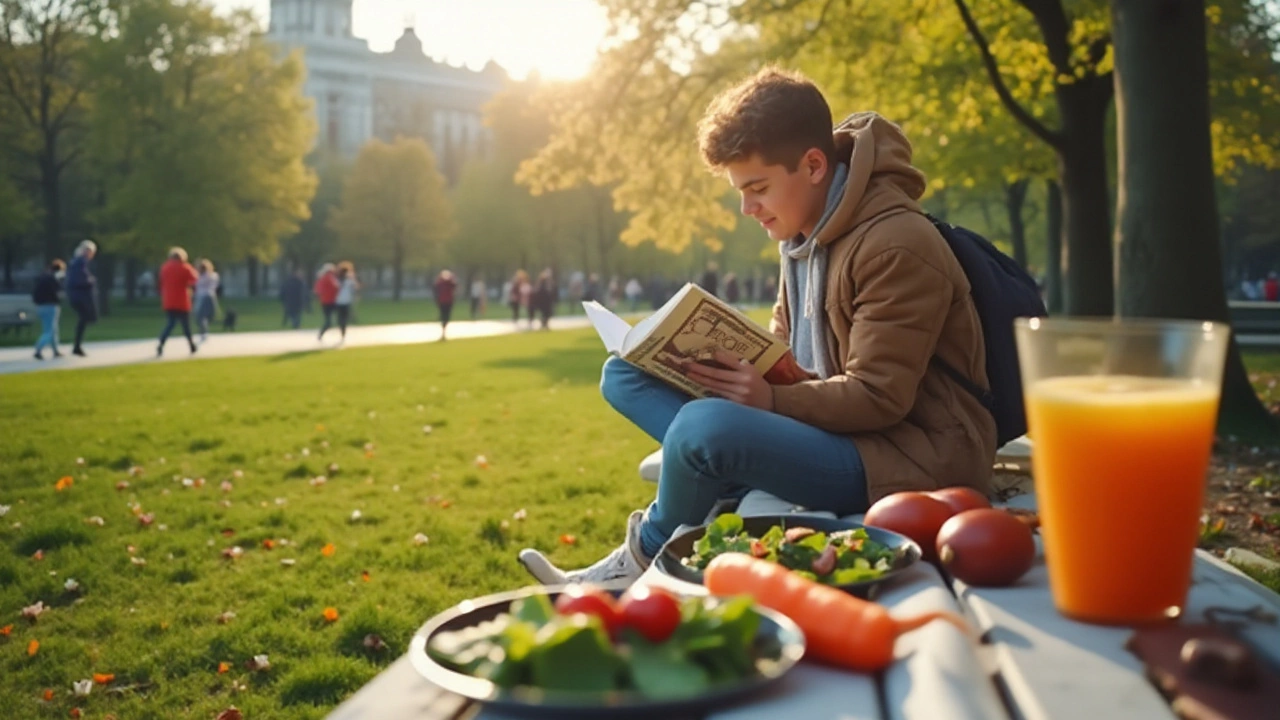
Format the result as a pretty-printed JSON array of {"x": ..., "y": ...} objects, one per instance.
[{"x": 1122, "y": 415}]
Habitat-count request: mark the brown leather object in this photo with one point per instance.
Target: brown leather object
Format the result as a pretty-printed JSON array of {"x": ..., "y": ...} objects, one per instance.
[{"x": 1207, "y": 673}]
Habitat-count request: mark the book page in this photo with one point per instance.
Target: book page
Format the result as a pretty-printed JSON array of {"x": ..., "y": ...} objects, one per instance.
[
  {"x": 611, "y": 328},
  {"x": 694, "y": 328},
  {"x": 646, "y": 326}
]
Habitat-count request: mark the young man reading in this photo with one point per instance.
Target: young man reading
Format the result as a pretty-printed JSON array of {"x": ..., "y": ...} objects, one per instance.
[{"x": 870, "y": 293}]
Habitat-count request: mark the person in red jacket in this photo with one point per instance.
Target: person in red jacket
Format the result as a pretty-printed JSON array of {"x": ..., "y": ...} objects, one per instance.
[
  {"x": 326, "y": 290},
  {"x": 444, "y": 289},
  {"x": 177, "y": 277}
]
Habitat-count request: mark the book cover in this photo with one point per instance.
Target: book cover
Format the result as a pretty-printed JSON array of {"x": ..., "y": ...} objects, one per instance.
[{"x": 693, "y": 324}]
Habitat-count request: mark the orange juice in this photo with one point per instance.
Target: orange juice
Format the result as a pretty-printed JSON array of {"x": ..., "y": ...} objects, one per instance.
[{"x": 1120, "y": 465}]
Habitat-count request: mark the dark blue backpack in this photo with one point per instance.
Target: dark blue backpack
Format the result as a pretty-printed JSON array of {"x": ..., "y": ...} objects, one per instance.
[{"x": 1002, "y": 291}]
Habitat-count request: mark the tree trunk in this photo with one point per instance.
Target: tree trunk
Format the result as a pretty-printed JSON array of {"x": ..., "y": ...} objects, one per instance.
[
  {"x": 251, "y": 265},
  {"x": 130, "y": 279},
  {"x": 1170, "y": 257},
  {"x": 397, "y": 272},
  {"x": 9, "y": 253},
  {"x": 1053, "y": 248},
  {"x": 1015, "y": 195},
  {"x": 106, "y": 280},
  {"x": 1089, "y": 287},
  {"x": 50, "y": 190}
]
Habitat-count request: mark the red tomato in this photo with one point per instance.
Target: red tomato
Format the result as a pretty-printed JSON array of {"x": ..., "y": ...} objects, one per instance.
[
  {"x": 986, "y": 547},
  {"x": 652, "y": 612},
  {"x": 913, "y": 514},
  {"x": 960, "y": 499},
  {"x": 590, "y": 601}
]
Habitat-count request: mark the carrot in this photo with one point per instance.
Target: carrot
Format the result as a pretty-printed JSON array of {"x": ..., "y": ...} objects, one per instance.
[{"x": 838, "y": 628}]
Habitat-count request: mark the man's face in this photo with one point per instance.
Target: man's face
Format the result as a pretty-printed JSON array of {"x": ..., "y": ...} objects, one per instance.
[{"x": 784, "y": 203}]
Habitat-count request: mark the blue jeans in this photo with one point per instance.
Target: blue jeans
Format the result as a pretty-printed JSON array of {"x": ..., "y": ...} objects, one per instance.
[
  {"x": 714, "y": 448},
  {"x": 48, "y": 326}
]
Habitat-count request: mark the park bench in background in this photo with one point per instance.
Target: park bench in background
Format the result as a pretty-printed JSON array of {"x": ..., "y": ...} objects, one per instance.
[{"x": 17, "y": 314}]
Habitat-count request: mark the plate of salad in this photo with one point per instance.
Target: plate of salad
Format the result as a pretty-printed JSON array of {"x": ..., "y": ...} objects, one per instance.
[
  {"x": 578, "y": 650},
  {"x": 855, "y": 558}
]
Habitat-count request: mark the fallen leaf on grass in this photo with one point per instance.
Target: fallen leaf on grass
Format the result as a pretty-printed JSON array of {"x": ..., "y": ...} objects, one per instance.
[
  {"x": 135, "y": 471},
  {"x": 226, "y": 617},
  {"x": 6, "y": 631},
  {"x": 233, "y": 552},
  {"x": 230, "y": 713},
  {"x": 482, "y": 461},
  {"x": 4, "y": 510},
  {"x": 356, "y": 515},
  {"x": 32, "y": 612},
  {"x": 419, "y": 539},
  {"x": 63, "y": 483},
  {"x": 269, "y": 544},
  {"x": 81, "y": 688},
  {"x": 288, "y": 562},
  {"x": 71, "y": 585},
  {"x": 375, "y": 643},
  {"x": 47, "y": 695},
  {"x": 33, "y": 647},
  {"x": 80, "y": 461},
  {"x": 95, "y": 520},
  {"x": 568, "y": 539},
  {"x": 226, "y": 486},
  {"x": 103, "y": 678},
  {"x": 145, "y": 519},
  {"x": 37, "y": 555},
  {"x": 520, "y": 514},
  {"x": 75, "y": 713},
  {"x": 328, "y": 550},
  {"x": 446, "y": 503},
  {"x": 259, "y": 663},
  {"x": 330, "y": 614},
  {"x": 364, "y": 575},
  {"x": 318, "y": 480},
  {"x": 223, "y": 667}
]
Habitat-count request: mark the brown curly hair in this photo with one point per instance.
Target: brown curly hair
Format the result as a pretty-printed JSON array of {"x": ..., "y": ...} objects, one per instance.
[{"x": 776, "y": 113}]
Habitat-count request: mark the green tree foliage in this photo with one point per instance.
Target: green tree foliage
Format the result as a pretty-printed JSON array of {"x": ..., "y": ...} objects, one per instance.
[
  {"x": 316, "y": 241},
  {"x": 43, "y": 46},
  {"x": 394, "y": 207},
  {"x": 199, "y": 133},
  {"x": 991, "y": 93}
]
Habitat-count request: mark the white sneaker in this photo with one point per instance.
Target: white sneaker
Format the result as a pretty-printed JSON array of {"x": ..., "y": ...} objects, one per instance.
[{"x": 624, "y": 565}]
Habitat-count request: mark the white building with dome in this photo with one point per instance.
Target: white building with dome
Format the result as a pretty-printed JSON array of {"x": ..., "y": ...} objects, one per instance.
[{"x": 360, "y": 94}]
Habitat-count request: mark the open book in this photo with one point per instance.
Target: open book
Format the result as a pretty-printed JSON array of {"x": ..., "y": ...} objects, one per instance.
[{"x": 692, "y": 324}]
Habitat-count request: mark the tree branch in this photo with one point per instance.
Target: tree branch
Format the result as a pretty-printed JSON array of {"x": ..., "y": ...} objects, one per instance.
[
  {"x": 1054, "y": 27},
  {"x": 1020, "y": 113}
]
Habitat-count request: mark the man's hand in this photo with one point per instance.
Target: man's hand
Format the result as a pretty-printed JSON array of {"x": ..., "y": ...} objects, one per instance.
[{"x": 737, "y": 380}]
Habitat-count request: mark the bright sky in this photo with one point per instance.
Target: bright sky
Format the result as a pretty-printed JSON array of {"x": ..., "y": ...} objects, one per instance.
[{"x": 558, "y": 38}]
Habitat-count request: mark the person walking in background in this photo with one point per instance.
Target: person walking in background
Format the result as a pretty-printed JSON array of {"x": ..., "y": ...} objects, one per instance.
[
  {"x": 592, "y": 293},
  {"x": 326, "y": 290},
  {"x": 1271, "y": 288},
  {"x": 634, "y": 291},
  {"x": 207, "y": 283},
  {"x": 346, "y": 297},
  {"x": 444, "y": 289},
  {"x": 478, "y": 292},
  {"x": 544, "y": 299},
  {"x": 82, "y": 290},
  {"x": 732, "y": 290},
  {"x": 45, "y": 296},
  {"x": 711, "y": 279},
  {"x": 517, "y": 293},
  {"x": 146, "y": 283},
  {"x": 577, "y": 290},
  {"x": 292, "y": 292},
  {"x": 177, "y": 278}
]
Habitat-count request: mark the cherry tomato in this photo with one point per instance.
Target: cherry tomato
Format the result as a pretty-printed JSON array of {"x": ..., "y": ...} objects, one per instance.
[
  {"x": 652, "y": 612},
  {"x": 913, "y": 514},
  {"x": 960, "y": 499},
  {"x": 590, "y": 601}
]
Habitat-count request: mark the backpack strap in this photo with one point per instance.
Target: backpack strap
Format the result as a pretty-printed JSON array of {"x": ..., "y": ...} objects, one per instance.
[
  {"x": 983, "y": 395},
  {"x": 986, "y": 397}
]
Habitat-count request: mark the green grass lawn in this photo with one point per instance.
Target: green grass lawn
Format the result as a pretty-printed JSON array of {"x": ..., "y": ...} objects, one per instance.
[
  {"x": 269, "y": 426},
  {"x": 144, "y": 319}
]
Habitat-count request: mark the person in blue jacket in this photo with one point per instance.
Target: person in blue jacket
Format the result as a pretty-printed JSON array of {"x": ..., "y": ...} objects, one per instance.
[
  {"x": 82, "y": 290},
  {"x": 46, "y": 296}
]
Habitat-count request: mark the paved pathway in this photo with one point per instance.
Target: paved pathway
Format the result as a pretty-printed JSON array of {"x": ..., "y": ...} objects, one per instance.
[{"x": 220, "y": 345}]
